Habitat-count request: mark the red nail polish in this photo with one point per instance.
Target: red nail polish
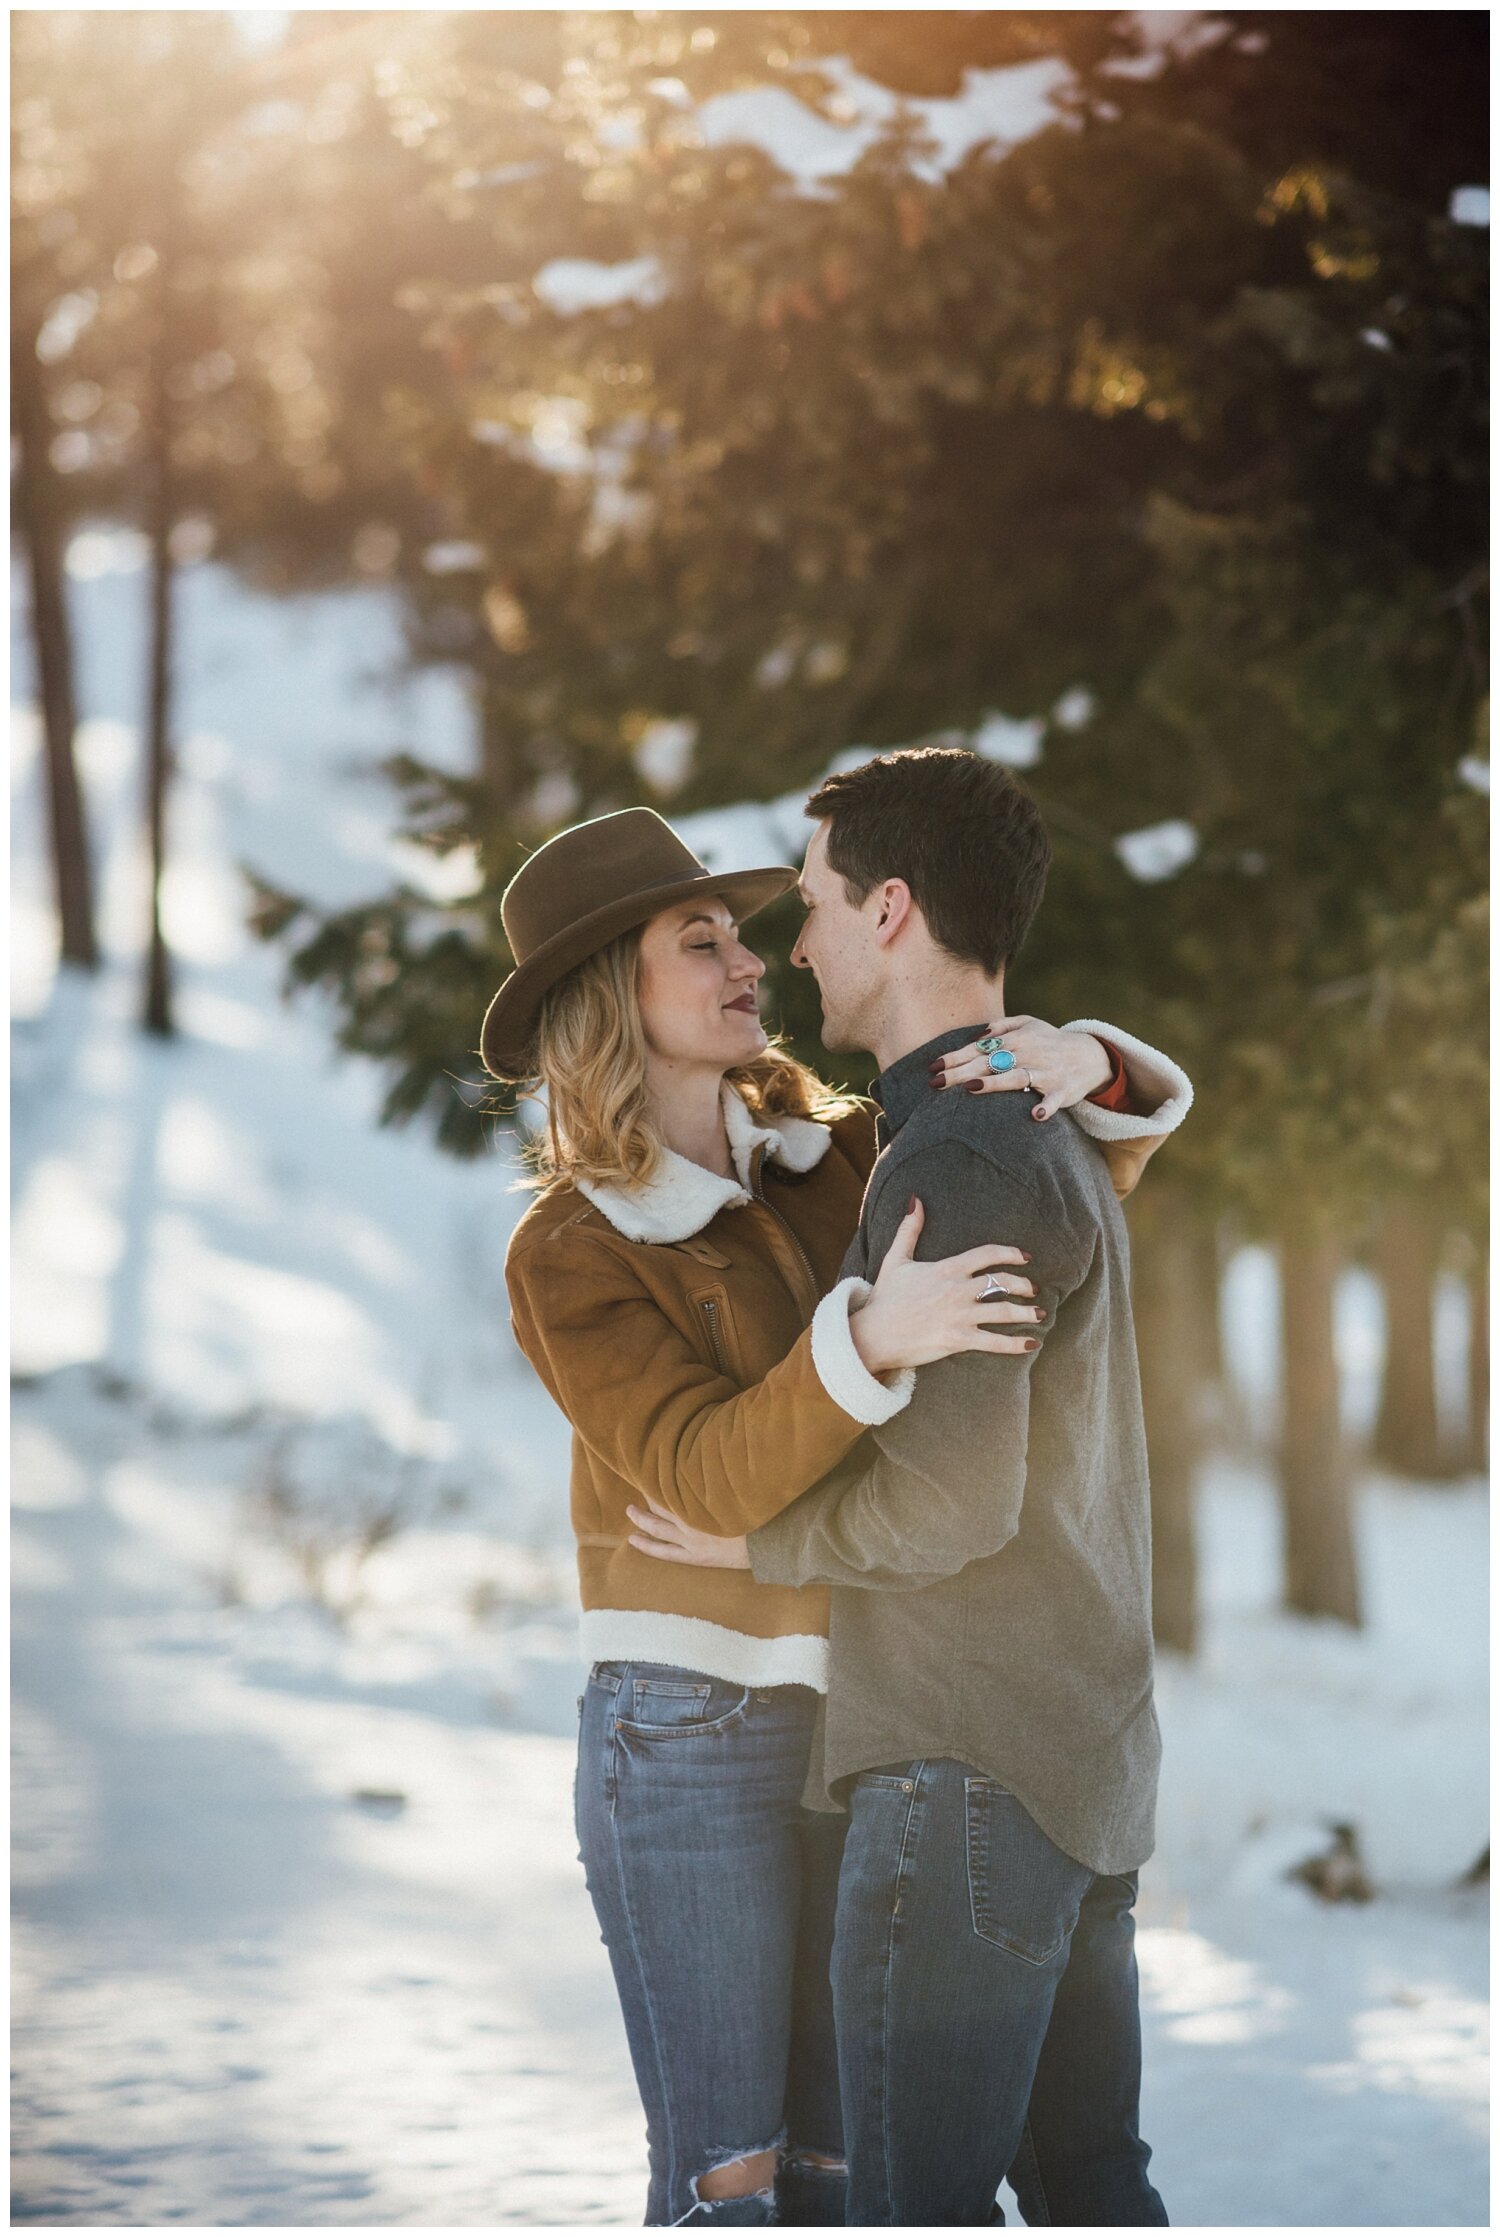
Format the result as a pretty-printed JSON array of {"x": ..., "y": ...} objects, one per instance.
[
  {"x": 1031, "y": 1345},
  {"x": 1025, "y": 1258},
  {"x": 973, "y": 1087},
  {"x": 911, "y": 1203}
]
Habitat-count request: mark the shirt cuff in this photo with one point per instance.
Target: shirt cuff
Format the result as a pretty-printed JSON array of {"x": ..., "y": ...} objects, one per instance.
[
  {"x": 842, "y": 1372},
  {"x": 1115, "y": 1093},
  {"x": 773, "y": 1562},
  {"x": 1161, "y": 1089}
]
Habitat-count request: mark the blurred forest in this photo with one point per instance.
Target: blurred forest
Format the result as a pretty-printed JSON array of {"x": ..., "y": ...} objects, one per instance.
[{"x": 1161, "y": 431}]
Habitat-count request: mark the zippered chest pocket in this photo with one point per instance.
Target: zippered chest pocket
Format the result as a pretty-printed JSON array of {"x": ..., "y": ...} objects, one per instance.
[{"x": 716, "y": 1330}]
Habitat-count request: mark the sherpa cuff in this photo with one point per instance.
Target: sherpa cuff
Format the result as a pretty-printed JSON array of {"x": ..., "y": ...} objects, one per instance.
[
  {"x": 1150, "y": 1074},
  {"x": 842, "y": 1372}
]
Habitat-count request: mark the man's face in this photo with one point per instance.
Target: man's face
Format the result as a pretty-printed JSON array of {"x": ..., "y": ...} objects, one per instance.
[{"x": 837, "y": 944}]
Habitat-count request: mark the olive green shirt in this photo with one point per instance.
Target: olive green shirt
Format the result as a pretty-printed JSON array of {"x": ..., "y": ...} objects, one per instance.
[{"x": 989, "y": 1547}]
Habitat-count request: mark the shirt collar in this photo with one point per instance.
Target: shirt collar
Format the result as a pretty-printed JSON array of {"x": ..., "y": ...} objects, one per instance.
[{"x": 903, "y": 1085}]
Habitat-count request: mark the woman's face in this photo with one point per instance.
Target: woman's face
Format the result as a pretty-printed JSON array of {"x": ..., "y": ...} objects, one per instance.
[{"x": 697, "y": 987}]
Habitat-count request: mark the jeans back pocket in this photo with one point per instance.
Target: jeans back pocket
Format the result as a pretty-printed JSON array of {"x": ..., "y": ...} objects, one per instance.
[{"x": 1025, "y": 1892}]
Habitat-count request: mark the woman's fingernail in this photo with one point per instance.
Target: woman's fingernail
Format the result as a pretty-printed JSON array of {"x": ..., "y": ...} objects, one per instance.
[
  {"x": 1025, "y": 1258},
  {"x": 911, "y": 1204},
  {"x": 973, "y": 1087},
  {"x": 1032, "y": 1344},
  {"x": 1041, "y": 1312}
]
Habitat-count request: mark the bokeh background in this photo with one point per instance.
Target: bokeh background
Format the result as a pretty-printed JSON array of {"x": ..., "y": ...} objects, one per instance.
[{"x": 429, "y": 428}]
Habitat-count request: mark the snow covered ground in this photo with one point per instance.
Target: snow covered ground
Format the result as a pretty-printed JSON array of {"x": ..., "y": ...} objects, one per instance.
[{"x": 301, "y": 1937}]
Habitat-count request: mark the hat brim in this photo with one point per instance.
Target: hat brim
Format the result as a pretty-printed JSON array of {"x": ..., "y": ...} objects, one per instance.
[{"x": 510, "y": 1022}]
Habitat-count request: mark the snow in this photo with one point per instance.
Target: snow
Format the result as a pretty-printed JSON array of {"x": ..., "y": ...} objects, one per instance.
[
  {"x": 1001, "y": 738},
  {"x": 1158, "y": 850},
  {"x": 578, "y": 283},
  {"x": 1075, "y": 709},
  {"x": 1005, "y": 105},
  {"x": 664, "y": 753},
  {"x": 301, "y": 1936},
  {"x": 1180, "y": 32}
]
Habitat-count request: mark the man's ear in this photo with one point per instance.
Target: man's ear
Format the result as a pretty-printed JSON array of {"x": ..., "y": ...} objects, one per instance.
[{"x": 895, "y": 909}]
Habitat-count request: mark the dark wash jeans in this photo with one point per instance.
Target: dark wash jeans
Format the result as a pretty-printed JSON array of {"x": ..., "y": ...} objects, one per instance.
[
  {"x": 988, "y": 2013},
  {"x": 715, "y": 1893}
]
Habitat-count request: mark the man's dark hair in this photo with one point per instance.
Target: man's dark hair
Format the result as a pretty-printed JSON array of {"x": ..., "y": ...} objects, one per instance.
[{"x": 965, "y": 837}]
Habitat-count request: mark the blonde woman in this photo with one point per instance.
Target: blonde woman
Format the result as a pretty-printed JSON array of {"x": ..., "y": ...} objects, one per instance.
[{"x": 675, "y": 1284}]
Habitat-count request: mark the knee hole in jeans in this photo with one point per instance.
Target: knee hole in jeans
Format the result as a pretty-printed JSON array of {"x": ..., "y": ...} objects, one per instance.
[{"x": 746, "y": 2175}]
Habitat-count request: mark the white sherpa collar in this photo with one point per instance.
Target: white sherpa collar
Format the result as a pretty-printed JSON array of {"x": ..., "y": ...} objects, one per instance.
[{"x": 681, "y": 1197}]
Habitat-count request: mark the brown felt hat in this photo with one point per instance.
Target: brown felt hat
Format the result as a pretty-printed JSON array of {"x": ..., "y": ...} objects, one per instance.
[{"x": 579, "y": 892}]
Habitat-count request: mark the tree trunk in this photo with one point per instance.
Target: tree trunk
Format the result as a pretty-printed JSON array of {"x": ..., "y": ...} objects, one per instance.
[
  {"x": 37, "y": 515},
  {"x": 156, "y": 1013},
  {"x": 1221, "y": 1411},
  {"x": 1477, "y": 1456},
  {"x": 1407, "y": 1252},
  {"x": 1167, "y": 1296},
  {"x": 1321, "y": 1576}
]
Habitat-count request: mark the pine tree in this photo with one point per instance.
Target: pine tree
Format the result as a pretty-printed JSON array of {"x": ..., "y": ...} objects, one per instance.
[{"x": 1163, "y": 428}]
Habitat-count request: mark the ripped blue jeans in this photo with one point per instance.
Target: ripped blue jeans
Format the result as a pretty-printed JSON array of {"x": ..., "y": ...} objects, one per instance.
[{"x": 715, "y": 1892}]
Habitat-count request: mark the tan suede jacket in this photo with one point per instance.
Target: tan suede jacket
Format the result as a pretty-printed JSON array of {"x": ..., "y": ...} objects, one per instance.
[{"x": 695, "y": 1332}]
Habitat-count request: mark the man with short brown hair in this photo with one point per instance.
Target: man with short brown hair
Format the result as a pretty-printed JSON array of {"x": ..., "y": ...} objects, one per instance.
[{"x": 990, "y": 1723}]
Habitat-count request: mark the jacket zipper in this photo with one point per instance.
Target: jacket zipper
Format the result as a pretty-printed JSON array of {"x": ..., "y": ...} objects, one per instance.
[
  {"x": 762, "y": 1198},
  {"x": 710, "y": 1310}
]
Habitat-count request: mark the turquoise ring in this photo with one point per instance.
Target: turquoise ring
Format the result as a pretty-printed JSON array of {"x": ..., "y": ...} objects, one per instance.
[
  {"x": 1001, "y": 1060},
  {"x": 989, "y": 1041}
]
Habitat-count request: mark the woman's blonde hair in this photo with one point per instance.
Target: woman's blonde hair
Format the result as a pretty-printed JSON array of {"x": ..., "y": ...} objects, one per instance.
[{"x": 591, "y": 1062}]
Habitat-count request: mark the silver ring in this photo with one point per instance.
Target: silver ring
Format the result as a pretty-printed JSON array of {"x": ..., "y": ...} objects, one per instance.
[
  {"x": 993, "y": 1287},
  {"x": 1028, "y": 1079}
]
